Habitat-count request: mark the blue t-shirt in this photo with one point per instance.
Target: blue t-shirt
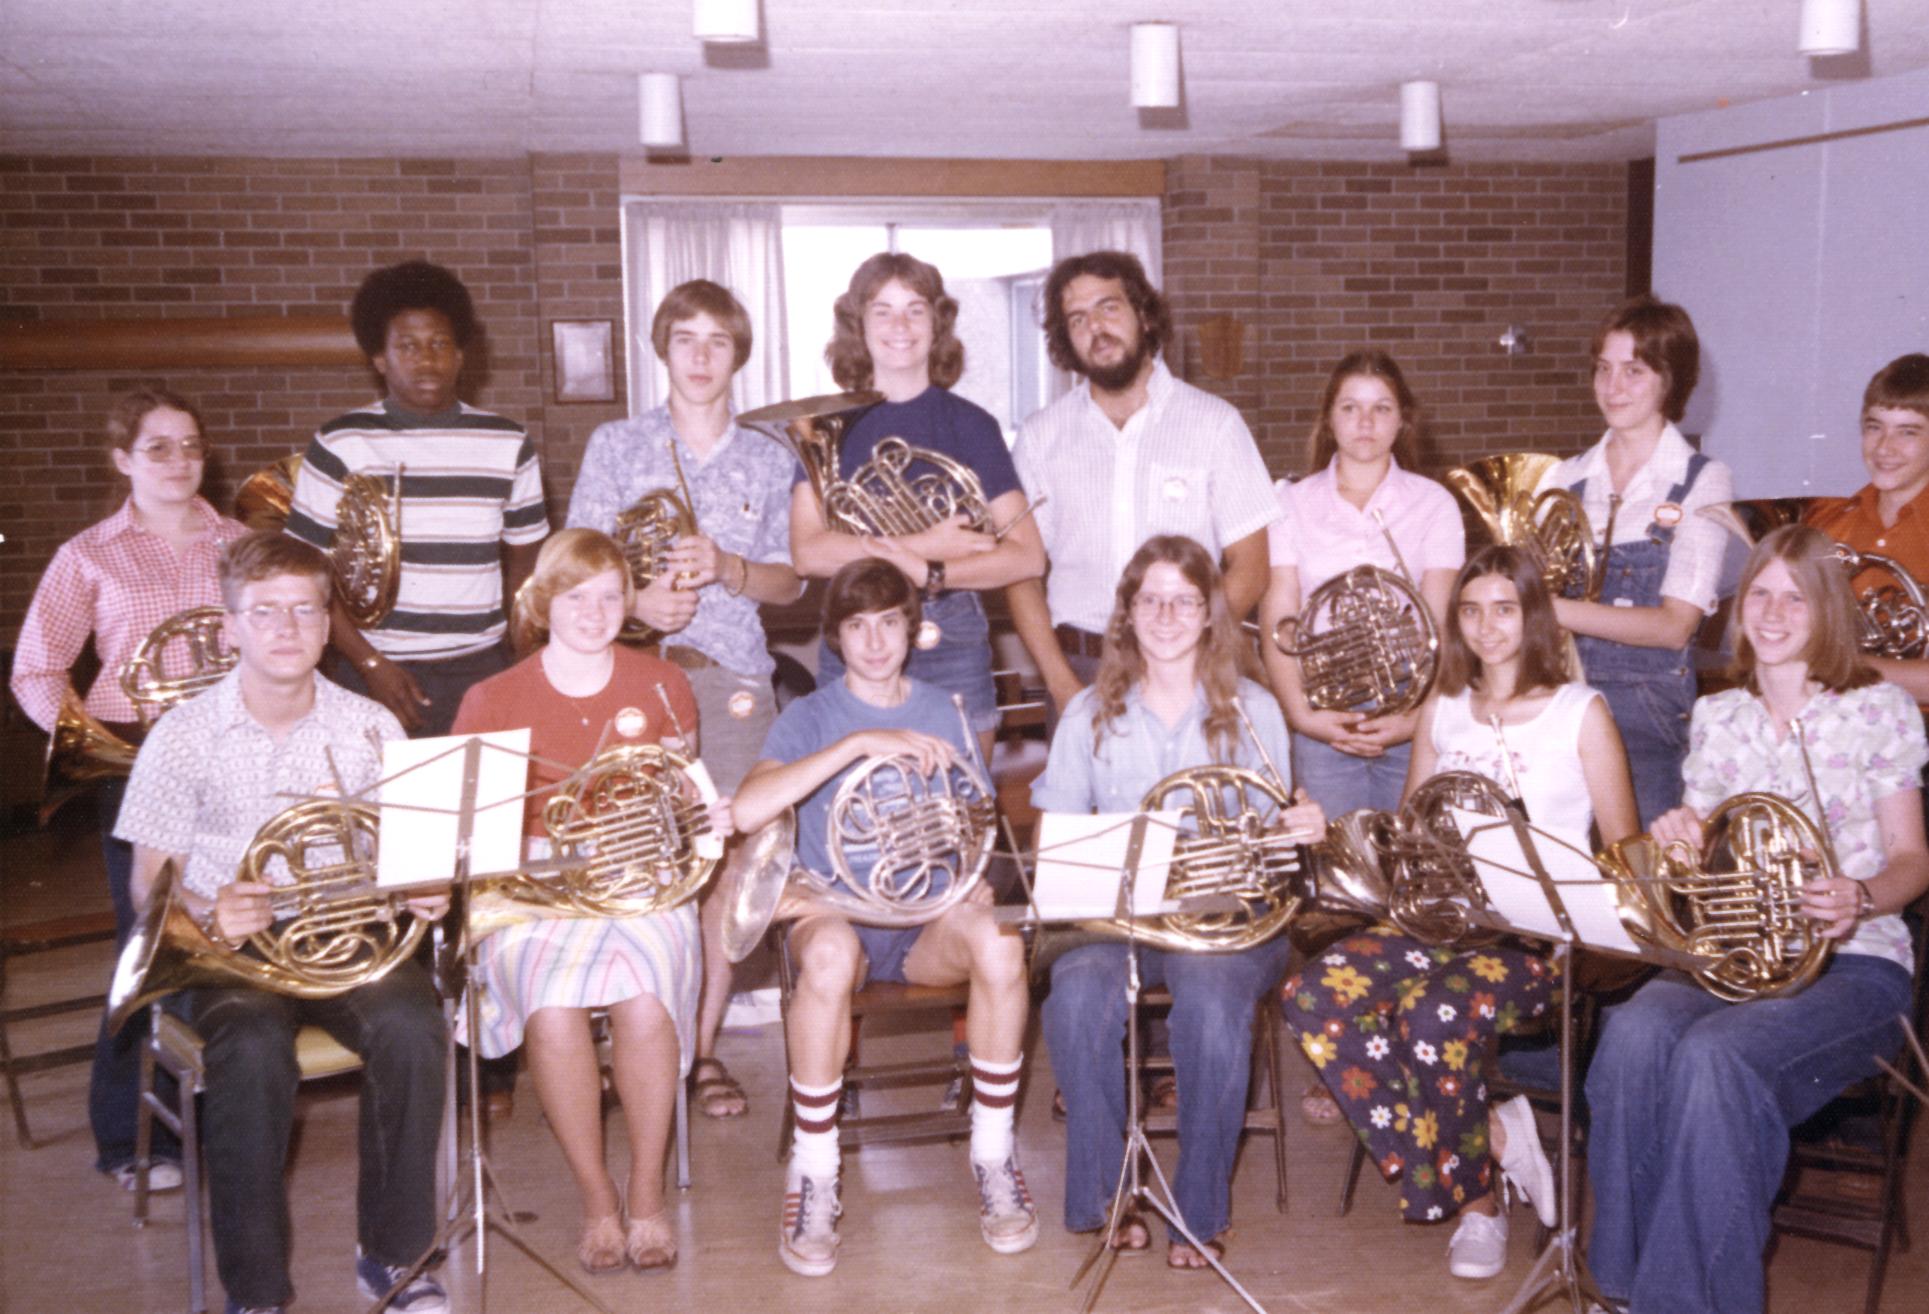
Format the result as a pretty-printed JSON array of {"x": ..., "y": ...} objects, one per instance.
[
  {"x": 820, "y": 719},
  {"x": 941, "y": 421}
]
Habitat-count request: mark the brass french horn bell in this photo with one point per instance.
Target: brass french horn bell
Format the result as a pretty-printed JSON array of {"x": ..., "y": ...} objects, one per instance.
[{"x": 1499, "y": 491}]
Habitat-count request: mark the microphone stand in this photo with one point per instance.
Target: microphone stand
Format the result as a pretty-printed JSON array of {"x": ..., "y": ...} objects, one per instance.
[{"x": 1133, "y": 1189}]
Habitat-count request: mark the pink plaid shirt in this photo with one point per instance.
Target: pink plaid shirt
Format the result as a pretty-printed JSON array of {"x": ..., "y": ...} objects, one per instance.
[{"x": 116, "y": 581}]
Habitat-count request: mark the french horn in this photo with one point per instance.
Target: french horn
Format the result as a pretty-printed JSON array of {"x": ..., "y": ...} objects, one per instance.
[
  {"x": 179, "y": 658},
  {"x": 365, "y": 556},
  {"x": 1234, "y": 857},
  {"x": 1366, "y": 642},
  {"x": 334, "y": 929},
  {"x": 1499, "y": 491},
  {"x": 904, "y": 849},
  {"x": 628, "y": 832},
  {"x": 883, "y": 497},
  {"x": 1737, "y": 904},
  {"x": 646, "y": 532}
]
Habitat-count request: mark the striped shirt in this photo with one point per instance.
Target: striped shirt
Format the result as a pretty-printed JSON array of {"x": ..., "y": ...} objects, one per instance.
[
  {"x": 742, "y": 492},
  {"x": 471, "y": 482},
  {"x": 1185, "y": 463},
  {"x": 209, "y": 776},
  {"x": 116, "y": 581}
]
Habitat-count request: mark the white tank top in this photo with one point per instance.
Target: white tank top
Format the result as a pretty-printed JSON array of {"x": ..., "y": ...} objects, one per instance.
[{"x": 1546, "y": 756}]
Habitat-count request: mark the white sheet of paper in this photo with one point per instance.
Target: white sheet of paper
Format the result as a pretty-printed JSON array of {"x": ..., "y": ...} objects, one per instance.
[
  {"x": 709, "y": 844},
  {"x": 418, "y": 846},
  {"x": 1081, "y": 857},
  {"x": 1584, "y": 892}
]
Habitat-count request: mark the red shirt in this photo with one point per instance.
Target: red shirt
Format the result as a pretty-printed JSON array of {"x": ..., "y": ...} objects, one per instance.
[{"x": 565, "y": 731}]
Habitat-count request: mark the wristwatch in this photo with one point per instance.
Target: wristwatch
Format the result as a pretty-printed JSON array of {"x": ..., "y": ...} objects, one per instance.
[{"x": 933, "y": 579}]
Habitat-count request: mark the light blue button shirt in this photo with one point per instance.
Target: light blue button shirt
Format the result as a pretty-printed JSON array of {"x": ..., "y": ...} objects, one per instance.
[
  {"x": 742, "y": 495},
  {"x": 1138, "y": 750}
]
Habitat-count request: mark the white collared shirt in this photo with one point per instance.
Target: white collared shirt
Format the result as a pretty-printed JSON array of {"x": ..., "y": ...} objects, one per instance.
[
  {"x": 1184, "y": 463},
  {"x": 1324, "y": 535},
  {"x": 1694, "y": 560}
]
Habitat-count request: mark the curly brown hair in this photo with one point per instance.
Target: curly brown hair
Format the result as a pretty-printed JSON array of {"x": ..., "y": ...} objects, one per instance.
[
  {"x": 1221, "y": 648},
  {"x": 1155, "y": 318},
  {"x": 850, "y": 359}
]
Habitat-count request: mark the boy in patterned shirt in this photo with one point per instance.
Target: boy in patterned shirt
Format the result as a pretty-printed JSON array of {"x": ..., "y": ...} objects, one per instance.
[{"x": 209, "y": 776}]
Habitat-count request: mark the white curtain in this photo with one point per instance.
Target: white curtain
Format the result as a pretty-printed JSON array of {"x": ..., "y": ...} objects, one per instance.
[
  {"x": 739, "y": 246},
  {"x": 1130, "y": 226}
]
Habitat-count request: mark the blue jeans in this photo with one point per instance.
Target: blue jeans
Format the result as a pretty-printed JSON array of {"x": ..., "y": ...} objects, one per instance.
[
  {"x": 1692, "y": 1100},
  {"x": 1212, "y": 1025},
  {"x": 249, "y": 1109},
  {"x": 113, "y": 1087},
  {"x": 1340, "y": 782}
]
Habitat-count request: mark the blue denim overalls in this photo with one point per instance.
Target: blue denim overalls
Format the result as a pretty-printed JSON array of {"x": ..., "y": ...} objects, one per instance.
[{"x": 1650, "y": 691}]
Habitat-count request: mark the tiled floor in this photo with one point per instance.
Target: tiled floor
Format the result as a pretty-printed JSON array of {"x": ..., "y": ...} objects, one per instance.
[{"x": 910, "y": 1234}]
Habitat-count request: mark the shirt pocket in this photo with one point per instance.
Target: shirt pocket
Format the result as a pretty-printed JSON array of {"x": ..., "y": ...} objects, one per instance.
[{"x": 1178, "y": 501}]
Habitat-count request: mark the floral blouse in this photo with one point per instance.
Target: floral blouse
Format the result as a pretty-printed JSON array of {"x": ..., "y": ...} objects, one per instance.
[{"x": 1865, "y": 744}]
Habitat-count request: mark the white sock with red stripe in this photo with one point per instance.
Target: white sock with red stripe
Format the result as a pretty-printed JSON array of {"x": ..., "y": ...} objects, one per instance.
[
  {"x": 994, "y": 1105},
  {"x": 814, "y": 1109}
]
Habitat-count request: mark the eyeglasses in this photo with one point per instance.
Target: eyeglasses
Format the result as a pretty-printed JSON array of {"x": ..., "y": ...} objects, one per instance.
[
  {"x": 267, "y": 618},
  {"x": 162, "y": 452},
  {"x": 1186, "y": 606}
]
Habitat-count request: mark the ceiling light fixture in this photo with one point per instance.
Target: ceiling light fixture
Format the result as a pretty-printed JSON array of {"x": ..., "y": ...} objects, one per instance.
[
  {"x": 1831, "y": 27},
  {"x": 726, "y": 22},
  {"x": 659, "y": 98},
  {"x": 1155, "y": 66},
  {"x": 1419, "y": 116}
]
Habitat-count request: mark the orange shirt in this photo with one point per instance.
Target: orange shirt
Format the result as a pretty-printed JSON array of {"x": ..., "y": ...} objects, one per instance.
[{"x": 1856, "y": 522}]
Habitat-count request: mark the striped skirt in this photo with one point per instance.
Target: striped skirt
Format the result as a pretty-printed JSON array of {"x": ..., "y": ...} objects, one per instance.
[{"x": 588, "y": 962}]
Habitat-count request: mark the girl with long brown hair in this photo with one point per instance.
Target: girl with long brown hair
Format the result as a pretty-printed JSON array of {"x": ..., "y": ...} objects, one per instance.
[
  {"x": 1168, "y": 696},
  {"x": 1399, "y": 1029},
  {"x": 1691, "y": 1098}
]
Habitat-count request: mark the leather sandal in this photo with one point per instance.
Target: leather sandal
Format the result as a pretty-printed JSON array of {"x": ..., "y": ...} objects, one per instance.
[
  {"x": 1318, "y": 1107},
  {"x": 718, "y": 1094},
  {"x": 650, "y": 1242},
  {"x": 1133, "y": 1236}
]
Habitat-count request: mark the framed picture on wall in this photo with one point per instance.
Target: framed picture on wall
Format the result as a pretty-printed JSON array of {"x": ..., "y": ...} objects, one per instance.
[{"x": 584, "y": 360}]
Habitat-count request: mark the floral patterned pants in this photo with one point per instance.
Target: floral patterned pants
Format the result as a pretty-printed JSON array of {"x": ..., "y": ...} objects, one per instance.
[{"x": 1401, "y": 1033}]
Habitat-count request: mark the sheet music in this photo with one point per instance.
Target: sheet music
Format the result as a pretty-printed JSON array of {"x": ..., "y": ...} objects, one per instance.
[
  {"x": 419, "y": 821},
  {"x": 1081, "y": 858},
  {"x": 1521, "y": 900},
  {"x": 709, "y": 844}
]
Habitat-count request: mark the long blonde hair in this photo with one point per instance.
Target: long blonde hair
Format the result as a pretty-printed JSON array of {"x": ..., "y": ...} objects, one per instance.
[{"x": 1220, "y": 648}]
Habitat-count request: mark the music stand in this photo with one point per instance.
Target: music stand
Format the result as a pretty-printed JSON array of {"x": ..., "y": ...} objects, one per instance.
[
  {"x": 478, "y": 1219},
  {"x": 1133, "y": 1188},
  {"x": 1560, "y": 1266}
]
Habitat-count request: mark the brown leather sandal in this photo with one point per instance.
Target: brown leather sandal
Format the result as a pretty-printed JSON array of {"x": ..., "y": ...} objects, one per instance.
[{"x": 718, "y": 1095}]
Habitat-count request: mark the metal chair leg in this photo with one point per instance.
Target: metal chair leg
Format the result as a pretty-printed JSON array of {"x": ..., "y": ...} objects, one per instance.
[
  {"x": 1269, "y": 1041},
  {"x": 683, "y": 1136}
]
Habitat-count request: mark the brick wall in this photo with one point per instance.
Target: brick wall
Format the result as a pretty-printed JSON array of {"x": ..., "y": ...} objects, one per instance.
[
  {"x": 88, "y": 238},
  {"x": 1312, "y": 259},
  {"x": 1431, "y": 264}
]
